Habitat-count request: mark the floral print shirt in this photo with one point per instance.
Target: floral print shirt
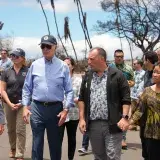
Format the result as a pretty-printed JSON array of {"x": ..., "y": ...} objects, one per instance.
[
  {"x": 126, "y": 70},
  {"x": 149, "y": 102},
  {"x": 139, "y": 84},
  {"x": 98, "y": 97},
  {"x": 73, "y": 113}
]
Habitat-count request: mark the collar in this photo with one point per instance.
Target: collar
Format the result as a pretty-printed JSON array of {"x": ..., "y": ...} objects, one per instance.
[
  {"x": 5, "y": 60},
  {"x": 139, "y": 71},
  {"x": 23, "y": 67},
  {"x": 50, "y": 61},
  {"x": 120, "y": 65},
  {"x": 112, "y": 70}
]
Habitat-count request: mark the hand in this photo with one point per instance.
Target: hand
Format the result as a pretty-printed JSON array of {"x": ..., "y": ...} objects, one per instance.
[
  {"x": 82, "y": 126},
  {"x": 62, "y": 115},
  {"x": 123, "y": 124},
  {"x": 1, "y": 128},
  {"x": 131, "y": 127},
  {"x": 131, "y": 83},
  {"x": 26, "y": 114},
  {"x": 18, "y": 105},
  {"x": 13, "y": 106},
  {"x": 76, "y": 100}
]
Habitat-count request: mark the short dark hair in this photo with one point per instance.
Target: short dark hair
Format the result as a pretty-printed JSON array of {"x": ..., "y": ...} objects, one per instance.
[
  {"x": 101, "y": 52},
  {"x": 151, "y": 56},
  {"x": 118, "y": 50},
  {"x": 139, "y": 61},
  {"x": 4, "y": 49}
]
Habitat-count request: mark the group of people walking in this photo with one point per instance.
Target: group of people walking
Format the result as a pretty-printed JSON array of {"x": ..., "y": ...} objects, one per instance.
[{"x": 54, "y": 98}]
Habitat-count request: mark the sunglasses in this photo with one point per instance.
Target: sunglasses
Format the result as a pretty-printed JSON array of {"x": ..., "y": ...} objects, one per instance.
[
  {"x": 119, "y": 56},
  {"x": 14, "y": 56},
  {"x": 46, "y": 46}
]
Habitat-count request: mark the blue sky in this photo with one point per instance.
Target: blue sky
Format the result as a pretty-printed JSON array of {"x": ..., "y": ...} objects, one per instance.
[{"x": 24, "y": 20}]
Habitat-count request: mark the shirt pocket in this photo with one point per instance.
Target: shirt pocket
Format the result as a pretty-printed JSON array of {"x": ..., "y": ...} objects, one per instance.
[
  {"x": 58, "y": 81},
  {"x": 38, "y": 78}
]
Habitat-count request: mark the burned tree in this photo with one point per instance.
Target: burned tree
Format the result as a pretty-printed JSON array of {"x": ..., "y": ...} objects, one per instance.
[{"x": 136, "y": 20}]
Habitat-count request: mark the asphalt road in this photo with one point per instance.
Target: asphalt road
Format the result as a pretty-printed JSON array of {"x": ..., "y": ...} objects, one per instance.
[{"x": 133, "y": 152}]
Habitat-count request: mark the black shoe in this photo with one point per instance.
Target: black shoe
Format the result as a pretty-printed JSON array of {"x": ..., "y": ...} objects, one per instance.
[{"x": 124, "y": 147}]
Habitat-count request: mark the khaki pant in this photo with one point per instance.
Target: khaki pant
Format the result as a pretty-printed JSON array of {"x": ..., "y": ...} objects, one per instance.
[{"x": 16, "y": 130}]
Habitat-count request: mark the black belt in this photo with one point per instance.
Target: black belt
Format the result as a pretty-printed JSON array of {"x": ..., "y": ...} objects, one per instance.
[{"x": 47, "y": 103}]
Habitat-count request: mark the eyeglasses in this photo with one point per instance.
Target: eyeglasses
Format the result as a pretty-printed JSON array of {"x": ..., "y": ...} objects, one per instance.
[
  {"x": 14, "y": 56},
  {"x": 46, "y": 46},
  {"x": 119, "y": 56}
]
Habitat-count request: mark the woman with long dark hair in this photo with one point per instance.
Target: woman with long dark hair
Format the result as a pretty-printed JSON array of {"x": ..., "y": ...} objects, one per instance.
[{"x": 73, "y": 114}]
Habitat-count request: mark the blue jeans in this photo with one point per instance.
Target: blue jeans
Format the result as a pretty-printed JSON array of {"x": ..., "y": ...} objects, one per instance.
[
  {"x": 45, "y": 117},
  {"x": 124, "y": 135},
  {"x": 85, "y": 142}
]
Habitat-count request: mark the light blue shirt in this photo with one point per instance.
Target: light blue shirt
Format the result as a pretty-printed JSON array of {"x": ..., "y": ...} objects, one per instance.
[
  {"x": 47, "y": 81},
  {"x": 5, "y": 64}
]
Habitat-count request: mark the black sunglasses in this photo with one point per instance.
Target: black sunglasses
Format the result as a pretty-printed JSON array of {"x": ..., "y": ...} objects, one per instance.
[
  {"x": 14, "y": 56},
  {"x": 46, "y": 46},
  {"x": 119, "y": 56}
]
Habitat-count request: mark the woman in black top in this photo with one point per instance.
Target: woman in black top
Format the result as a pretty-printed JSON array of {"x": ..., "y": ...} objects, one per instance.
[{"x": 12, "y": 81}]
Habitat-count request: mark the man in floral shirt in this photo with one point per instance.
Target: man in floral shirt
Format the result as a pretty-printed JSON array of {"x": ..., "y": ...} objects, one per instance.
[{"x": 104, "y": 103}]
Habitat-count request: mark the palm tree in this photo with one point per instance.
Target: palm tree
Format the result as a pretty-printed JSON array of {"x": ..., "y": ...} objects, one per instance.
[
  {"x": 68, "y": 35},
  {"x": 39, "y": 1},
  {"x": 55, "y": 19},
  {"x": 117, "y": 6},
  {"x": 82, "y": 19}
]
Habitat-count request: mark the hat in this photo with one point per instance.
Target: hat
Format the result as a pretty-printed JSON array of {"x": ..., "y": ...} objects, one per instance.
[
  {"x": 18, "y": 52},
  {"x": 48, "y": 39}
]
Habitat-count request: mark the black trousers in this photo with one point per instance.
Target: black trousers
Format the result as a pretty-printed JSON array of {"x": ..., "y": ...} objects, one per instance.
[
  {"x": 71, "y": 127},
  {"x": 144, "y": 148},
  {"x": 152, "y": 148}
]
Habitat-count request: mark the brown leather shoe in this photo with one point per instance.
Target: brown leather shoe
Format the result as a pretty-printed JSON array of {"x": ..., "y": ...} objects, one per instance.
[{"x": 12, "y": 153}]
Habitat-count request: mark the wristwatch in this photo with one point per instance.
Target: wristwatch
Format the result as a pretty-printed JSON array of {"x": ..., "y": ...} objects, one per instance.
[{"x": 125, "y": 116}]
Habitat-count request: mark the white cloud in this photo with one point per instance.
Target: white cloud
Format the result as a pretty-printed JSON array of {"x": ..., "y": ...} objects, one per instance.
[
  {"x": 69, "y": 5},
  {"x": 62, "y": 6},
  {"x": 30, "y": 45}
]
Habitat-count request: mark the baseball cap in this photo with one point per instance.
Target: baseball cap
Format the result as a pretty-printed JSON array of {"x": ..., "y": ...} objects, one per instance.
[
  {"x": 48, "y": 39},
  {"x": 18, "y": 52}
]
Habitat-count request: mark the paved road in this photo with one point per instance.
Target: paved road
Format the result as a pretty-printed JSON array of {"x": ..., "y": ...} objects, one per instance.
[{"x": 133, "y": 153}]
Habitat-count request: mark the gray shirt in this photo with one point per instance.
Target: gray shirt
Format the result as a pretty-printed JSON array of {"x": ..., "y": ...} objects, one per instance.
[{"x": 98, "y": 97}]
